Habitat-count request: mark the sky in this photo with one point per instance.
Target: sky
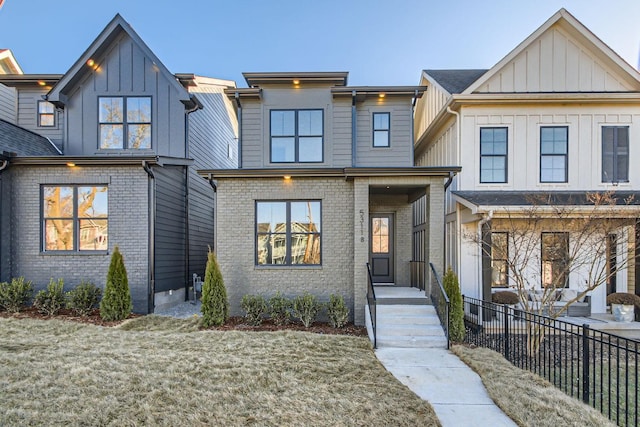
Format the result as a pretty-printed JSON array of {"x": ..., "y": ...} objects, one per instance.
[{"x": 378, "y": 42}]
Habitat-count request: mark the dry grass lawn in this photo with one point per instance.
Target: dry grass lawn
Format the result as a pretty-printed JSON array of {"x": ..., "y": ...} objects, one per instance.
[
  {"x": 525, "y": 397},
  {"x": 162, "y": 371}
]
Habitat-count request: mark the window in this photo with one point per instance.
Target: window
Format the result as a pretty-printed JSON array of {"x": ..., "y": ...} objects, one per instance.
[
  {"x": 499, "y": 257},
  {"x": 555, "y": 260},
  {"x": 288, "y": 233},
  {"x": 296, "y": 136},
  {"x": 46, "y": 114},
  {"x": 553, "y": 154},
  {"x": 381, "y": 123},
  {"x": 612, "y": 263},
  {"x": 74, "y": 218},
  {"x": 615, "y": 154},
  {"x": 125, "y": 122},
  {"x": 493, "y": 155}
]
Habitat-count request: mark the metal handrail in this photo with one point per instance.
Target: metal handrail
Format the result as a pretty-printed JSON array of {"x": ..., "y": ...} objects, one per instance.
[
  {"x": 440, "y": 301},
  {"x": 372, "y": 303}
]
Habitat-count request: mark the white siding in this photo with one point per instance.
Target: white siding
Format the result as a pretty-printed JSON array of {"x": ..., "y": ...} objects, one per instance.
[
  {"x": 428, "y": 106},
  {"x": 7, "y": 103}
]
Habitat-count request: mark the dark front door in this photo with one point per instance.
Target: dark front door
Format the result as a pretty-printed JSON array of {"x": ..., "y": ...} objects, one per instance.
[{"x": 381, "y": 248}]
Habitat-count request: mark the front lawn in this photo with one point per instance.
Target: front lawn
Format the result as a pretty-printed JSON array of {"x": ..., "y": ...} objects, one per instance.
[{"x": 163, "y": 371}]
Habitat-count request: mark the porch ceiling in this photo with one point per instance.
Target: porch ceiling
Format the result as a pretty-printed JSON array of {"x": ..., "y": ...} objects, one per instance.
[{"x": 396, "y": 190}]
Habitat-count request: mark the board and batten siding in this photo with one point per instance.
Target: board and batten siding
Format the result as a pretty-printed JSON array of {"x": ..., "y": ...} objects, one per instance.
[
  {"x": 8, "y": 102},
  {"x": 125, "y": 71},
  {"x": 400, "y": 150},
  {"x": 170, "y": 228},
  {"x": 557, "y": 62},
  {"x": 428, "y": 106}
]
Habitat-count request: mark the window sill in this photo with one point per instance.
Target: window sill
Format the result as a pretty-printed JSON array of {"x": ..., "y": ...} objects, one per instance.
[{"x": 80, "y": 253}]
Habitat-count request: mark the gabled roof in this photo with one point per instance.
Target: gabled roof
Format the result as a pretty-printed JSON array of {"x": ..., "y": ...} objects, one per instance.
[
  {"x": 99, "y": 47},
  {"x": 454, "y": 81},
  {"x": 18, "y": 141},
  {"x": 8, "y": 64},
  {"x": 564, "y": 19}
]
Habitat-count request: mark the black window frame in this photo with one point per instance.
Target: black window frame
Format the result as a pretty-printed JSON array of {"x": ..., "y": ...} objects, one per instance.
[
  {"x": 287, "y": 234},
  {"x": 376, "y": 130},
  {"x": 564, "y": 261},
  {"x": 615, "y": 155},
  {"x": 125, "y": 123},
  {"x": 42, "y": 114},
  {"x": 494, "y": 259},
  {"x": 75, "y": 218},
  {"x": 505, "y": 155},
  {"x": 556, "y": 155},
  {"x": 296, "y": 135}
]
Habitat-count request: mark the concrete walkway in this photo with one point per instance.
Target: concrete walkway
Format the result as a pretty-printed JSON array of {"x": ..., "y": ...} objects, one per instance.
[{"x": 450, "y": 386}]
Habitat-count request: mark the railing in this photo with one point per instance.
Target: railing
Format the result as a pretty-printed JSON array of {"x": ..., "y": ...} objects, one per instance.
[
  {"x": 599, "y": 368},
  {"x": 440, "y": 301},
  {"x": 371, "y": 302},
  {"x": 418, "y": 274}
]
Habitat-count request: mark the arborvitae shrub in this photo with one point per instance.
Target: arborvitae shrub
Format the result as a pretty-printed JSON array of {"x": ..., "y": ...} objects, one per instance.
[
  {"x": 306, "y": 308},
  {"x": 83, "y": 298},
  {"x": 337, "y": 311},
  {"x": 456, "y": 311},
  {"x": 215, "y": 306},
  {"x": 15, "y": 294},
  {"x": 279, "y": 309},
  {"x": 116, "y": 302},
  {"x": 51, "y": 301},
  {"x": 255, "y": 306}
]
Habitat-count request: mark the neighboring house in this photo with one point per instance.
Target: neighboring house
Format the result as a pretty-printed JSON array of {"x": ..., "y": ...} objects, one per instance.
[
  {"x": 8, "y": 65},
  {"x": 124, "y": 139},
  {"x": 558, "y": 116},
  {"x": 325, "y": 185}
]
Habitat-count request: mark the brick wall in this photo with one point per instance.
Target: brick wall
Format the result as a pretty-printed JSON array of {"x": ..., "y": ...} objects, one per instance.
[
  {"x": 128, "y": 227},
  {"x": 235, "y": 239}
]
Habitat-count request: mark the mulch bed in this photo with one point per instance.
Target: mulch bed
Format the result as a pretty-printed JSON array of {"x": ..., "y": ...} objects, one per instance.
[{"x": 234, "y": 323}]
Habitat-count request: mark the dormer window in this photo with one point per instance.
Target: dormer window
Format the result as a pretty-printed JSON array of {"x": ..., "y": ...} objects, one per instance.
[
  {"x": 124, "y": 122},
  {"x": 296, "y": 136}
]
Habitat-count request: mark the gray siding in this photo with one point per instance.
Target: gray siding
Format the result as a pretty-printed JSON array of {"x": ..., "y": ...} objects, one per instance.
[
  {"x": 125, "y": 71},
  {"x": 7, "y": 103},
  {"x": 399, "y": 153},
  {"x": 341, "y": 140},
  {"x": 128, "y": 219},
  {"x": 28, "y": 116},
  {"x": 170, "y": 226},
  {"x": 5, "y": 228}
]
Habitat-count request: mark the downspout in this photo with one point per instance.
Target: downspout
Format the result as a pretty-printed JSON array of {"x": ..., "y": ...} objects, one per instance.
[
  {"x": 187, "y": 258},
  {"x": 353, "y": 129},
  {"x": 449, "y": 182},
  {"x": 485, "y": 218},
  {"x": 152, "y": 251},
  {"x": 413, "y": 137},
  {"x": 214, "y": 186},
  {"x": 3, "y": 166},
  {"x": 239, "y": 105},
  {"x": 459, "y": 133}
]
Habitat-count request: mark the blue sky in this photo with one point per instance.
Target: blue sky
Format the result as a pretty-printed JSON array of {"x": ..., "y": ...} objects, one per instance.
[{"x": 378, "y": 42}]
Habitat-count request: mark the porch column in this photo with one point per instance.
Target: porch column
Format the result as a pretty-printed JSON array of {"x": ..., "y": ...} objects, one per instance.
[
  {"x": 435, "y": 238},
  {"x": 360, "y": 247}
]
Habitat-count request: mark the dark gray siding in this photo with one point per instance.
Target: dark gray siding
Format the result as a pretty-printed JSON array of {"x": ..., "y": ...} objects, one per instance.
[
  {"x": 27, "y": 115},
  {"x": 170, "y": 226},
  {"x": 5, "y": 232}
]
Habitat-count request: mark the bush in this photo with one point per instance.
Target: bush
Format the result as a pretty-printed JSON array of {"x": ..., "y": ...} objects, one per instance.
[
  {"x": 215, "y": 306},
  {"x": 279, "y": 309},
  {"x": 15, "y": 295},
  {"x": 337, "y": 311},
  {"x": 505, "y": 297},
  {"x": 51, "y": 301},
  {"x": 456, "y": 311},
  {"x": 83, "y": 299},
  {"x": 623, "y": 298},
  {"x": 255, "y": 307},
  {"x": 116, "y": 302},
  {"x": 306, "y": 308}
]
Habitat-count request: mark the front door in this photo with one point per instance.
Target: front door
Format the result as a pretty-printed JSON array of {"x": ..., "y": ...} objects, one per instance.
[{"x": 381, "y": 248}]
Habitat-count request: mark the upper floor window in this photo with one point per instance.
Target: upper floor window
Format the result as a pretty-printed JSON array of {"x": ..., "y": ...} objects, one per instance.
[
  {"x": 555, "y": 259},
  {"x": 288, "y": 232},
  {"x": 615, "y": 154},
  {"x": 74, "y": 218},
  {"x": 296, "y": 136},
  {"x": 125, "y": 122},
  {"x": 46, "y": 114},
  {"x": 381, "y": 129},
  {"x": 493, "y": 155},
  {"x": 499, "y": 259},
  {"x": 553, "y": 154}
]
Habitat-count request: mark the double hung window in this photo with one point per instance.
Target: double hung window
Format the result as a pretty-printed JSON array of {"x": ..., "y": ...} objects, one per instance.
[
  {"x": 615, "y": 154},
  {"x": 553, "y": 154},
  {"x": 493, "y": 155},
  {"x": 46, "y": 114},
  {"x": 381, "y": 129}
]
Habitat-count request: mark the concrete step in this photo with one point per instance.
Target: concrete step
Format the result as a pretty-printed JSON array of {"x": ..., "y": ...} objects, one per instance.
[
  {"x": 408, "y": 320},
  {"x": 403, "y": 301},
  {"x": 406, "y": 310},
  {"x": 412, "y": 341},
  {"x": 387, "y": 329}
]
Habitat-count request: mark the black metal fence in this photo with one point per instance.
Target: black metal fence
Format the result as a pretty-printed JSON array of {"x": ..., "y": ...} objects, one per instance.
[
  {"x": 599, "y": 368},
  {"x": 440, "y": 301},
  {"x": 372, "y": 303}
]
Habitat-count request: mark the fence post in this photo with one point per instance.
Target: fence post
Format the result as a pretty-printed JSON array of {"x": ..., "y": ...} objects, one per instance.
[
  {"x": 505, "y": 310},
  {"x": 585, "y": 363}
]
